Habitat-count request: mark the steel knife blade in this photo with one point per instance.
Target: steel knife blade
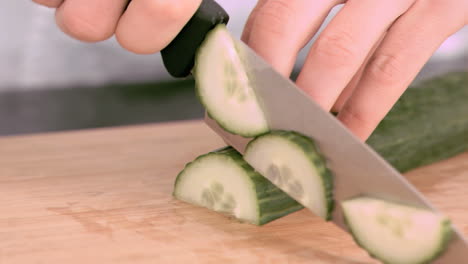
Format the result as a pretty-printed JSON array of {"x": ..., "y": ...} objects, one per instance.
[{"x": 357, "y": 169}]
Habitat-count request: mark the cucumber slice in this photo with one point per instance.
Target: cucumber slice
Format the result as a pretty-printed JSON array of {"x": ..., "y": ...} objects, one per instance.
[
  {"x": 292, "y": 162},
  {"x": 224, "y": 87},
  {"x": 223, "y": 182},
  {"x": 396, "y": 233}
]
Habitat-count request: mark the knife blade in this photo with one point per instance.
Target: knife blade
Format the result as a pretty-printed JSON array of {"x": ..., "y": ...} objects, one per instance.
[{"x": 357, "y": 168}]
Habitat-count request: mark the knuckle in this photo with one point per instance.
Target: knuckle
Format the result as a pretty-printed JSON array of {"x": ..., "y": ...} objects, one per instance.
[
  {"x": 336, "y": 48},
  {"x": 273, "y": 16},
  {"x": 359, "y": 117},
  {"x": 85, "y": 27},
  {"x": 386, "y": 69}
]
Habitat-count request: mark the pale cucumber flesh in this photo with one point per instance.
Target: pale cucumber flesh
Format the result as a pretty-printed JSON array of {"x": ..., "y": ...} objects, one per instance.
[
  {"x": 223, "y": 182},
  {"x": 224, "y": 87},
  {"x": 292, "y": 162},
  {"x": 396, "y": 233}
]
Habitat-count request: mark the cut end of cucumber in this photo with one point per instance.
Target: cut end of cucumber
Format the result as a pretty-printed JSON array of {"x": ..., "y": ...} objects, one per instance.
[
  {"x": 216, "y": 182},
  {"x": 223, "y": 182},
  {"x": 292, "y": 162},
  {"x": 225, "y": 88},
  {"x": 396, "y": 233}
]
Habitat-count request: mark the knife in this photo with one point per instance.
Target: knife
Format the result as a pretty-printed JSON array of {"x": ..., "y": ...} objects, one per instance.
[{"x": 357, "y": 168}]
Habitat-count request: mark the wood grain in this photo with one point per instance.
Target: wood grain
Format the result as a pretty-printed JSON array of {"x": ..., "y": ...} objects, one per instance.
[{"x": 104, "y": 196}]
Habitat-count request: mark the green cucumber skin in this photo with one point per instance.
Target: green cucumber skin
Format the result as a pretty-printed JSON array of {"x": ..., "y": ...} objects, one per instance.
[
  {"x": 304, "y": 142},
  {"x": 428, "y": 123},
  {"x": 446, "y": 236},
  {"x": 272, "y": 203}
]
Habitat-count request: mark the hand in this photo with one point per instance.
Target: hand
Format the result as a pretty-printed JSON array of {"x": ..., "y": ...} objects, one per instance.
[
  {"x": 145, "y": 27},
  {"x": 364, "y": 59}
]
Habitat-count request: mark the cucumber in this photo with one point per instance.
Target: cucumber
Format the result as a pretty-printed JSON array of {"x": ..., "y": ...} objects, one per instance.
[
  {"x": 292, "y": 162},
  {"x": 224, "y": 87},
  {"x": 223, "y": 182},
  {"x": 395, "y": 233},
  {"x": 428, "y": 123}
]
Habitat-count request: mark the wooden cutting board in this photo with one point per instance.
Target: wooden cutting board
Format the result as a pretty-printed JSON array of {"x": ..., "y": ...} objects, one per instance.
[{"x": 104, "y": 196}]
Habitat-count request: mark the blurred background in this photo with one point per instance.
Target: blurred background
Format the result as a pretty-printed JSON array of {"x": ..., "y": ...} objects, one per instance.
[{"x": 50, "y": 82}]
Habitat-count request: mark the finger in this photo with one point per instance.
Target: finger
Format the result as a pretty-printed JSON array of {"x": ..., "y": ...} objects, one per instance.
[
  {"x": 408, "y": 45},
  {"x": 150, "y": 25},
  {"x": 49, "y": 3},
  {"x": 280, "y": 28},
  {"x": 248, "y": 25},
  {"x": 342, "y": 47},
  {"x": 348, "y": 90},
  {"x": 89, "y": 20}
]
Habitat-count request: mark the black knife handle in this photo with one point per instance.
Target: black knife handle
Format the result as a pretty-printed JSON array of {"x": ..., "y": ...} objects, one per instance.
[{"x": 179, "y": 55}]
